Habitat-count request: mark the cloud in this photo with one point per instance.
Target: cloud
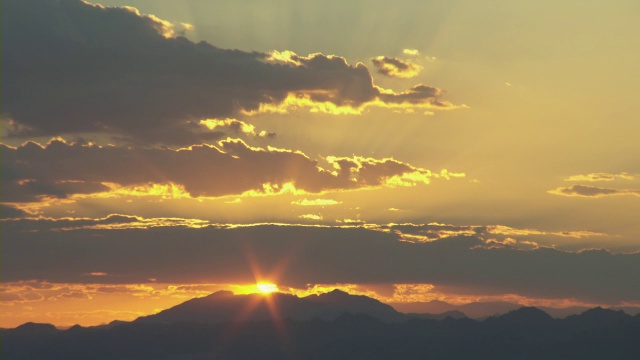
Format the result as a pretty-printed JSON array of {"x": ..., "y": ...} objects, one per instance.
[
  {"x": 351, "y": 221},
  {"x": 74, "y": 67},
  {"x": 591, "y": 191},
  {"x": 492, "y": 236},
  {"x": 98, "y": 273},
  {"x": 395, "y": 67},
  {"x": 600, "y": 177},
  {"x": 61, "y": 170},
  {"x": 237, "y": 127},
  {"x": 311, "y": 216},
  {"x": 315, "y": 202},
  {"x": 414, "y": 95},
  {"x": 111, "y": 222},
  {"x": 33, "y": 291},
  {"x": 299, "y": 255},
  {"x": 411, "y": 52},
  {"x": 8, "y": 212},
  {"x": 19, "y": 297}
]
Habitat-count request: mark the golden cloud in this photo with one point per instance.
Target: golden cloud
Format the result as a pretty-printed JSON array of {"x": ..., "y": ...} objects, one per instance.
[
  {"x": 315, "y": 202},
  {"x": 61, "y": 171},
  {"x": 600, "y": 177},
  {"x": 394, "y": 67}
]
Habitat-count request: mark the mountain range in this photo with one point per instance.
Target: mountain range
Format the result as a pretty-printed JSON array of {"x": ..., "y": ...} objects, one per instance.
[
  {"x": 485, "y": 309},
  {"x": 333, "y": 325}
]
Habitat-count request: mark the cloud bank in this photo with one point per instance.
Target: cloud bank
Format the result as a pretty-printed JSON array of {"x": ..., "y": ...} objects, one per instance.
[
  {"x": 300, "y": 255},
  {"x": 75, "y": 67},
  {"x": 59, "y": 170}
]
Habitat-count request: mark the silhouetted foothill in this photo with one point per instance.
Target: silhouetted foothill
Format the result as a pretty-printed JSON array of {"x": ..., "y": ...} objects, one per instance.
[
  {"x": 523, "y": 316},
  {"x": 35, "y": 328}
]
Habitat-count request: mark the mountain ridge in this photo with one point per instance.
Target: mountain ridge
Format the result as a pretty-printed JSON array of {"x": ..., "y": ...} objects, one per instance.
[
  {"x": 215, "y": 309},
  {"x": 525, "y": 333},
  {"x": 224, "y": 306}
]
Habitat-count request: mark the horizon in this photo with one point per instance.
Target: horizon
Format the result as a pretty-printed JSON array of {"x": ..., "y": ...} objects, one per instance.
[
  {"x": 268, "y": 297},
  {"x": 454, "y": 309},
  {"x": 421, "y": 152}
]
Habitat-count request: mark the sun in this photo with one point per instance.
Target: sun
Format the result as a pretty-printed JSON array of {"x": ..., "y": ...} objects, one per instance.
[{"x": 267, "y": 288}]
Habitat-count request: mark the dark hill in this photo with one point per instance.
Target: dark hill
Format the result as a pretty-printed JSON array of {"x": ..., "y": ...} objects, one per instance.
[
  {"x": 598, "y": 318},
  {"x": 224, "y": 306},
  {"x": 524, "y": 316},
  {"x": 36, "y": 328}
]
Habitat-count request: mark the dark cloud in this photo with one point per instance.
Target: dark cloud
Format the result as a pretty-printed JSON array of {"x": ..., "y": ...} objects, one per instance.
[
  {"x": 413, "y": 95},
  {"x": 28, "y": 189},
  {"x": 592, "y": 191},
  {"x": 299, "y": 255},
  {"x": 73, "y": 67},
  {"x": 493, "y": 235},
  {"x": 395, "y": 67},
  {"x": 61, "y": 169},
  {"x": 9, "y": 212},
  {"x": 113, "y": 221}
]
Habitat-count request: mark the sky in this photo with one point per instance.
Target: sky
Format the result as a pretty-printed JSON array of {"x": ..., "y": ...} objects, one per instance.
[{"x": 458, "y": 151}]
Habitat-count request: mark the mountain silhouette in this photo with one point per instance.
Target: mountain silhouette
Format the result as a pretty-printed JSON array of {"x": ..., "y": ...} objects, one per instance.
[
  {"x": 484, "y": 309},
  {"x": 224, "y": 306},
  {"x": 476, "y": 310},
  {"x": 454, "y": 314},
  {"x": 36, "y": 329},
  {"x": 335, "y": 325},
  {"x": 525, "y": 315},
  {"x": 598, "y": 318}
]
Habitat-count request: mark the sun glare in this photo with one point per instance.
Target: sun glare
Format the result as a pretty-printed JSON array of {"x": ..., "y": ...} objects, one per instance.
[{"x": 267, "y": 288}]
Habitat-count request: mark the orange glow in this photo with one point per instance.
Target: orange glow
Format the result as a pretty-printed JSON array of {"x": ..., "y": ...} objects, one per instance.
[{"x": 66, "y": 304}]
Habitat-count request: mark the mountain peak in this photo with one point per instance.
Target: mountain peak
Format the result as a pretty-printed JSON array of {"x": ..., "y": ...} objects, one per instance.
[
  {"x": 221, "y": 293},
  {"x": 600, "y": 317},
  {"x": 338, "y": 292},
  {"x": 224, "y": 306},
  {"x": 36, "y": 328},
  {"x": 599, "y": 312},
  {"x": 526, "y": 314}
]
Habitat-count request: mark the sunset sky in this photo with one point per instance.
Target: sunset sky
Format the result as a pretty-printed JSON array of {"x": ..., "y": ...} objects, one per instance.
[{"x": 462, "y": 151}]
